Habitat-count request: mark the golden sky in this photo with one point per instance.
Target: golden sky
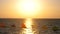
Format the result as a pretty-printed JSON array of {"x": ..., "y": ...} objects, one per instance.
[{"x": 41, "y": 9}]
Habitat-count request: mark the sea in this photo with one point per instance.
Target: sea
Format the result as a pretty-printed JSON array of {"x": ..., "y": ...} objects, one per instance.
[{"x": 39, "y": 26}]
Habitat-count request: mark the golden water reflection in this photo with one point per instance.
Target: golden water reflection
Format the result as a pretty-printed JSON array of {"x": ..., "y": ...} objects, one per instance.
[{"x": 28, "y": 29}]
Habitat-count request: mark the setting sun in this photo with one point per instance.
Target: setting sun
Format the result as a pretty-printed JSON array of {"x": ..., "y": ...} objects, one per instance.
[{"x": 28, "y": 8}]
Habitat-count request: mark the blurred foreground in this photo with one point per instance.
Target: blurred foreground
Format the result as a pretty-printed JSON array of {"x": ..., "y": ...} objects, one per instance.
[{"x": 38, "y": 26}]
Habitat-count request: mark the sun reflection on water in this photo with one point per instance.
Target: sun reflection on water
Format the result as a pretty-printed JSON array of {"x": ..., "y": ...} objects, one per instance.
[{"x": 28, "y": 29}]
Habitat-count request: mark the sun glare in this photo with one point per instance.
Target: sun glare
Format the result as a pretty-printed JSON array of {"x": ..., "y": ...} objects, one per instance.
[
  {"x": 28, "y": 8},
  {"x": 28, "y": 24}
]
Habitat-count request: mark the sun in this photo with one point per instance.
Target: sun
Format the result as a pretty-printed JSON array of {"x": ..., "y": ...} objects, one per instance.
[{"x": 28, "y": 8}]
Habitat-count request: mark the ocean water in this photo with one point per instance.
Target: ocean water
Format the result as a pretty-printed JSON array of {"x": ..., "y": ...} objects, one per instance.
[{"x": 39, "y": 26}]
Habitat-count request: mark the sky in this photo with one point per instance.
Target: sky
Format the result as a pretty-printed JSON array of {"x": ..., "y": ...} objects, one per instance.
[{"x": 47, "y": 9}]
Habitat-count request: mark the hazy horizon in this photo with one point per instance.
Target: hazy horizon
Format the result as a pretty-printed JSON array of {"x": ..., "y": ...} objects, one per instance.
[{"x": 49, "y": 9}]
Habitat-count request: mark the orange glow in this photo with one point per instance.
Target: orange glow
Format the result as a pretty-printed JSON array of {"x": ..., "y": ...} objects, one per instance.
[
  {"x": 28, "y": 8},
  {"x": 28, "y": 29},
  {"x": 28, "y": 23}
]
